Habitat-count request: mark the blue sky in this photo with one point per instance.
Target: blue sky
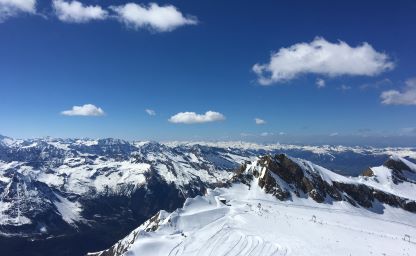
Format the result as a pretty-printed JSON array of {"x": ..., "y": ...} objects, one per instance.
[{"x": 198, "y": 56}]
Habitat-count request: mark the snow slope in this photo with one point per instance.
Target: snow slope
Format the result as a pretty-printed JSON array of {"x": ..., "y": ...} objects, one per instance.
[
  {"x": 247, "y": 218},
  {"x": 255, "y": 223}
]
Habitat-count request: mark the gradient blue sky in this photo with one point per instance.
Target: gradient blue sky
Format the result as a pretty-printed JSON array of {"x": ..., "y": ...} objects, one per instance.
[{"x": 48, "y": 66}]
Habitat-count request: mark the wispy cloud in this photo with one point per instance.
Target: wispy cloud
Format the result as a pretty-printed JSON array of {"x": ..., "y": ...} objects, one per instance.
[
  {"x": 376, "y": 85},
  {"x": 323, "y": 58},
  {"x": 154, "y": 17},
  {"x": 265, "y": 134},
  {"x": 11, "y": 8},
  {"x": 259, "y": 121},
  {"x": 150, "y": 112},
  {"x": 320, "y": 83},
  {"x": 194, "y": 118},
  {"x": 407, "y": 96},
  {"x": 333, "y": 134},
  {"x": 85, "y": 110},
  {"x": 76, "y": 12}
]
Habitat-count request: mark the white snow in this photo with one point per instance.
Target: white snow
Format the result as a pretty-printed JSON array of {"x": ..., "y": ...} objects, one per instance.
[
  {"x": 7, "y": 141},
  {"x": 70, "y": 211},
  {"x": 79, "y": 177},
  {"x": 5, "y": 219},
  {"x": 87, "y": 142},
  {"x": 325, "y": 174},
  {"x": 383, "y": 180},
  {"x": 256, "y": 223}
]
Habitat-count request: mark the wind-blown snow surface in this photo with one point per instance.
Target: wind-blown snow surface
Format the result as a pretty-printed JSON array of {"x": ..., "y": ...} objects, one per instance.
[{"x": 255, "y": 223}]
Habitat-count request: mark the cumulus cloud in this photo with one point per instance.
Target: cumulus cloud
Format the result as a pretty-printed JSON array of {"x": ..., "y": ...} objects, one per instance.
[
  {"x": 76, "y": 12},
  {"x": 153, "y": 17},
  {"x": 194, "y": 118},
  {"x": 10, "y": 8},
  {"x": 320, "y": 83},
  {"x": 150, "y": 112},
  {"x": 323, "y": 58},
  {"x": 259, "y": 121},
  {"x": 405, "y": 97},
  {"x": 85, "y": 110}
]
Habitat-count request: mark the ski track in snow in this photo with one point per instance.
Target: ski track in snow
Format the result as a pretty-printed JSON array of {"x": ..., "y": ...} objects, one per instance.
[
  {"x": 254, "y": 223},
  {"x": 228, "y": 242}
]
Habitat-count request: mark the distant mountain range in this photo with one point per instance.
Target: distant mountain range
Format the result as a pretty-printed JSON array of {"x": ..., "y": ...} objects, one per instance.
[{"x": 71, "y": 196}]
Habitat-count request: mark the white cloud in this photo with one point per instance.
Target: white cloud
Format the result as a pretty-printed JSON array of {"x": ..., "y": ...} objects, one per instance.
[
  {"x": 10, "y": 8},
  {"x": 323, "y": 58},
  {"x": 265, "y": 134},
  {"x": 259, "y": 121},
  {"x": 405, "y": 97},
  {"x": 320, "y": 83},
  {"x": 154, "y": 17},
  {"x": 150, "y": 112},
  {"x": 334, "y": 134},
  {"x": 85, "y": 110},
  {"x": 282, "y": 133},
  {"x": 194, "y": 118},
  {"x": 76, "y": 12}
]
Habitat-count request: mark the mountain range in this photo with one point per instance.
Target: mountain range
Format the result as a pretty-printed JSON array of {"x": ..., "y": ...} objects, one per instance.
[{"x": 73, "y": 196}]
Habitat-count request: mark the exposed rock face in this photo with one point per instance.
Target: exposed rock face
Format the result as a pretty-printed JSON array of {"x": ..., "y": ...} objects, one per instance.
[
  {"x": 368, "y": 173},
  {"x": 284, "y": 177},
  {"x": 280, "y": 176},
  {"x": 396, "y": 165}
]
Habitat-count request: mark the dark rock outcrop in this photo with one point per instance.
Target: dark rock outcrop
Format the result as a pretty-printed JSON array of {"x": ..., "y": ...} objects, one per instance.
[{"x": 282, "y": 177}]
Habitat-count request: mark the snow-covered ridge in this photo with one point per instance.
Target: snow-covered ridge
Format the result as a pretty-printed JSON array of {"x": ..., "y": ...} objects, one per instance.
[
  {"x": 247, "y": 218},
  {"x": 394, "y": 183}
]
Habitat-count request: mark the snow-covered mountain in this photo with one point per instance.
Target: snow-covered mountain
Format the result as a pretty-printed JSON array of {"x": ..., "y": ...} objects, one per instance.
[
  {"x": 278, "y": 205},
  {"x": 57, "y": 193},
  {"x": 68, "y": 189}
]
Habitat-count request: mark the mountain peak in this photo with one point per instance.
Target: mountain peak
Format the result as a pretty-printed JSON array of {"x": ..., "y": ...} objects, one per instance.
[
  {"x": 399, "y": 164},
  {"x": 287, "y": 178}
]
